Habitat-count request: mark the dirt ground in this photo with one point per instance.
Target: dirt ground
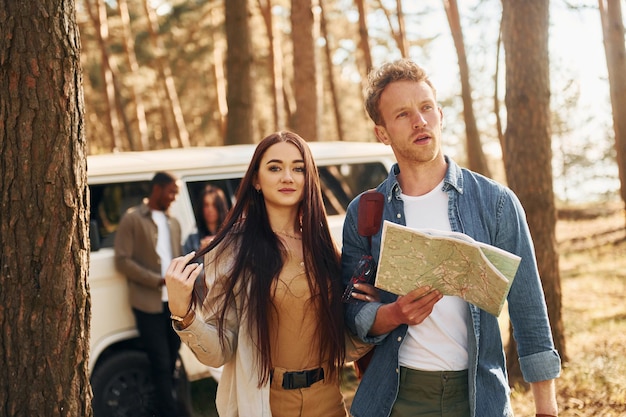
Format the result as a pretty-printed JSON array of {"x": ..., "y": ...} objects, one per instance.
[{"x": 592, "y": 260}]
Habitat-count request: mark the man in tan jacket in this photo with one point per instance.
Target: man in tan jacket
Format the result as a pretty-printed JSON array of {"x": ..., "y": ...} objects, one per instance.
[{"x": 146, "y": 241}]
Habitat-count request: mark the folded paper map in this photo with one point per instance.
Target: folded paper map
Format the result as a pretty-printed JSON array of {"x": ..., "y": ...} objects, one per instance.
[{"x": 451, "y": 262}]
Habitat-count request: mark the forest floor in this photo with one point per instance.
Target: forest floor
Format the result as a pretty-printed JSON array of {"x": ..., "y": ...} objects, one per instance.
[{"x": 592, "y": 248}]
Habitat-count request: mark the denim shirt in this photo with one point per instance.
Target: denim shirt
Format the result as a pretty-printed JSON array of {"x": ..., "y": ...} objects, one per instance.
[{"x": 490, "y": 213}]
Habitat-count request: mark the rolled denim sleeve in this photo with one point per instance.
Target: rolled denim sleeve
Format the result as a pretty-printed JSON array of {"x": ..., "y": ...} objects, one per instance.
[
  {"x": 364, "y": 320},
  {"x": 540, "y": 366}
]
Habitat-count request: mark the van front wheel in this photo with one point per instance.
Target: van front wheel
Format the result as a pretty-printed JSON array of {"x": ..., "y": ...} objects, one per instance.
[{"x": 122, "y": 387}]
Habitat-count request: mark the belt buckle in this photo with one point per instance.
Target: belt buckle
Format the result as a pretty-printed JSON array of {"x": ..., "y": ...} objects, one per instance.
[
  {"x": 295, "y": 380},
  {"x": 302, "y": 379}
]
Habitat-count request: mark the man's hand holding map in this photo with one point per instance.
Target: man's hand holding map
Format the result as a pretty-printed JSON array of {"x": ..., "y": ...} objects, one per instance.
[{"x": 451, "y": 262}]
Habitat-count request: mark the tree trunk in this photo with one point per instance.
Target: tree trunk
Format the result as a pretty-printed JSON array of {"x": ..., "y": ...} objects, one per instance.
[
  {"x": 528, "y": 145},
  {"x": 44, "y": 244},
  {"x": 496, "y": 96},
  {"x": 364, "y": 43},
  {"x": 304, "y": 69},
  {"x": 238, "y": 71},
  {"x": 398, "y": 35},
  {"x": 475, "y": 156},
  {"x": 615, "y": 50},
  {"x": 166, "y": 78},
  {"x": 275, "y": 66},
  {"x": 219, "y": 48},
  {"x": 331, "y": 78},
  {"x": 133, "y": 67},
  {"x": 401, "y": 34},
  {"x": 99, "y": 21}
]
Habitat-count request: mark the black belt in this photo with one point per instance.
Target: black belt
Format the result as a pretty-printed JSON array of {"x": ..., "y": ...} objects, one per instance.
[{"x": 302, "y": 379}]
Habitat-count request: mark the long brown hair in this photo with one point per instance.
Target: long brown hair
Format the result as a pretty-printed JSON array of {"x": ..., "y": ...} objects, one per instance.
[
  {"x": 247, "y": 234},
  {"x": 221, "y": 205}
]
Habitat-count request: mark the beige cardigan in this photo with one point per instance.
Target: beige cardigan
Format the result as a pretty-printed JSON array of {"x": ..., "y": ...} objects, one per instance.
[{"x": 237, "y": 391}]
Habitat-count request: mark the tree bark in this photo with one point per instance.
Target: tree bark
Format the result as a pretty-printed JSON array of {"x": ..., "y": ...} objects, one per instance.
[
  {"x": 304, "y": 70},
  {"x": 238, "y": 70},
  {"x": 615, "y": 50},
  {"x": 528, "y": 146},
  {"x": 475, "y": 155},
  {"x": 44, "y": 244}
]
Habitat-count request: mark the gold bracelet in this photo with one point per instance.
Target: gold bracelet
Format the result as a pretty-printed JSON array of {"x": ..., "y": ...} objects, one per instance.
[{"x": 181, "y": 323}]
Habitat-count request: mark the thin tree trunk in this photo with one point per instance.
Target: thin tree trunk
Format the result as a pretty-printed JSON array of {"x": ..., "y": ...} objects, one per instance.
[
  {"x": 364, "y": 43},
  {"x": 238, "y": 69},
  {"x": 220, "y": 78},
  {"x": 398, "y": 35},
  {"x": 99, "y": 21},
  {"x": 496, "y": 96},
  {"x": 615, "y": 50},
  {"x": 528, "y": 148},
  {"x": 275, "y": 66},
  {"x": 475, "y": 155},
  {"x": 305, "y": 69},
  {"x": 131, "y": 58},
  {"x": 401, "y": 34},
  {"x": 289, "y": 96},
  {"x": 44, "y": 243},
  {"x": 165, "y": 75},
  {"x": 331, "y": 78}
]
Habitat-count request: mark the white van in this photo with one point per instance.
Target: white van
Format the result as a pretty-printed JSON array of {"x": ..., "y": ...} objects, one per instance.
[{"x": 119, "y": 374}]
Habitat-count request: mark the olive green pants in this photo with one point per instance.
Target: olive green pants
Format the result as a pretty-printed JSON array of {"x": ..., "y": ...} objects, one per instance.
[{"x": 432, "y": 394}]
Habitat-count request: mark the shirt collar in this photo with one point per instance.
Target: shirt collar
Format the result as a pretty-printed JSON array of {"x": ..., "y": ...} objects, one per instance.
[{"x": 452, "y": 179}]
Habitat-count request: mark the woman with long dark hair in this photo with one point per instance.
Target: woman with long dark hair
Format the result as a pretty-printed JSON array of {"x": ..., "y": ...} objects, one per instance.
[
  {"x": 273, "y": 314},
  {"x": 210, "y": 211}
]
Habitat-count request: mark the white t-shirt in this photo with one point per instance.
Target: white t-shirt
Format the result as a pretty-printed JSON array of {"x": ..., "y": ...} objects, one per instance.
[
  {"x": 164, "y": 245},
  {"x": 439, "y": 343}
]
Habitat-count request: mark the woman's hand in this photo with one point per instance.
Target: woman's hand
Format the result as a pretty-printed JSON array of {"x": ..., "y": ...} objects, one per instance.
[
  {"x": 366, "y": 292},
  {"x": 180, "y": 279}
]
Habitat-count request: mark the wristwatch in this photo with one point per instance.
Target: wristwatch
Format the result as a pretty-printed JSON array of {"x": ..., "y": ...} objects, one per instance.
[{"x": 181, "y": 323}]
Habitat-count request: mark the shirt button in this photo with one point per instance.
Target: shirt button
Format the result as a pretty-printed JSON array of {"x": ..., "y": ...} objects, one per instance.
[
  {"x": 399, "y": 339},
  {"x": 399, "y": 215}
]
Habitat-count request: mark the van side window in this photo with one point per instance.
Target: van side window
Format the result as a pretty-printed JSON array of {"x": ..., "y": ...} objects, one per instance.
[
  {"x": 194, "y": 189},
  {"x": 341, "y": 183},
  {"x": 108, "y": 204},
  {"x": 229, "y": 186}
]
